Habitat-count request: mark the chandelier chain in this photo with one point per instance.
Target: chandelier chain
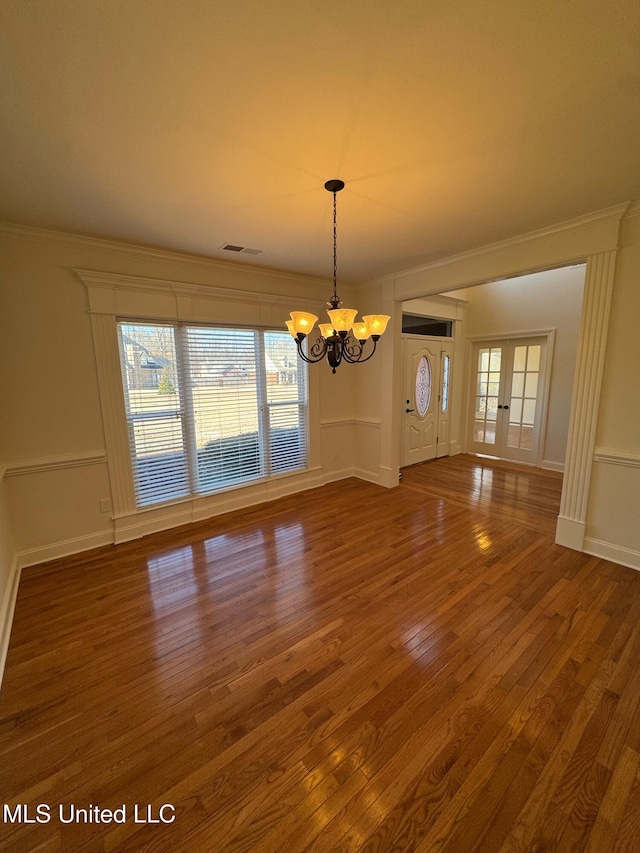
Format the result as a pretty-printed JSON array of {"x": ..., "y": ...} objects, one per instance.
[{"x": 335, "y": 246}]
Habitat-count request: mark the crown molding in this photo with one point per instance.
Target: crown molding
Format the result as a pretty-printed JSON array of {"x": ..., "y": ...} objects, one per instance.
[
  {"x": 633, "y": 209},
  {"x": 381, "y": 281},
  {"x": 97, "y": 280},
  {"x": 114, "y": 247},
  {"x": 600, "y": 217},
  {"x": 451, "y": 301}
]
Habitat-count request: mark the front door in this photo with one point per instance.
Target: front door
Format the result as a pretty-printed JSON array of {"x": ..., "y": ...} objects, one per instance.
[
  {"x": 507, "y": 387},
  {"x": 425, "y": 412}
]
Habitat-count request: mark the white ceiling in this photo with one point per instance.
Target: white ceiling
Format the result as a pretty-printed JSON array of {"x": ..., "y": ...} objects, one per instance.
[{"x": 185, "y": 124}]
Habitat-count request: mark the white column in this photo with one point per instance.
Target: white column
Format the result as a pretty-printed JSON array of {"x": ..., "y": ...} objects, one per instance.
[
  {"x": 596, "y": 304},
  {"x": 105, "y": 340}
]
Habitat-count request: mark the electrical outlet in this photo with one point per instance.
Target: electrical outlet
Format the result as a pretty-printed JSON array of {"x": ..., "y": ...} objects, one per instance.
[{"x": 105, "y": 505}]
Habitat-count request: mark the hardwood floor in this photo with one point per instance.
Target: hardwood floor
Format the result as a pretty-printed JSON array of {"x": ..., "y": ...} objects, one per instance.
[
  {"x": 528, "y": 496},
  {"x": 347, "y": 669}
]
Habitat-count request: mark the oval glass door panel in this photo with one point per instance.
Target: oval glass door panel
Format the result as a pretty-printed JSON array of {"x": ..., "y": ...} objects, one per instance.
[{"x": 423, "y": 386}]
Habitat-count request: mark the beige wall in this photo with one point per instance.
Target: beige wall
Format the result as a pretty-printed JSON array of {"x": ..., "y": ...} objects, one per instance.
[
  {"x": 53, "y": 438},
  {"x": 540, "y": 301},
  {"x": 52, "y": 428}
]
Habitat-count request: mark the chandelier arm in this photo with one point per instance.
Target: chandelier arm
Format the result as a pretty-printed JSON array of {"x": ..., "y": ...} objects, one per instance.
[
  {"x": 352, "y": 350},
  {"x": 319, "y": 348},
  {"x": 319, "y": 352},
  {"x": 362, "y": 360}
]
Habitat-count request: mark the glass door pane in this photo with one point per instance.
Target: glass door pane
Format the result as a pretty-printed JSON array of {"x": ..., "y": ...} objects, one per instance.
[
  {"x": 487, "y": 391},
  {"x": 524, "y": 392}
]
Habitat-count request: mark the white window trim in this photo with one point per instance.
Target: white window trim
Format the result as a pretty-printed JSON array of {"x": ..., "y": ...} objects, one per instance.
[{"x": 112, "y": 296}]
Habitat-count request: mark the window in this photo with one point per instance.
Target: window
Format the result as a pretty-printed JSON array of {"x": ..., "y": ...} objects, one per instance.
[
  {"x": 210, "y": 407},
  {"x": 413, "y": 324},
  {"x": 445, "y": 384}
]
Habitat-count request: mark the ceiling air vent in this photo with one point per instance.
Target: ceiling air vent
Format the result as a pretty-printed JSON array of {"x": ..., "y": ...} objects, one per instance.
[{"x": 229, "y": 247}]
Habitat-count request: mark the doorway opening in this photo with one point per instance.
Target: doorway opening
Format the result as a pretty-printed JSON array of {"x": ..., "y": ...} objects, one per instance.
[{"x": 519, "y": 410}]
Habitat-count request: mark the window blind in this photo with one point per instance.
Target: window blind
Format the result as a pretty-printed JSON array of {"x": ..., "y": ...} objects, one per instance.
[{"x": 210, "y": 407}]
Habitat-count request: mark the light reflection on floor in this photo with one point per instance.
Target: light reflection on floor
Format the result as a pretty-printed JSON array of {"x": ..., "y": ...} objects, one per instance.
[
  {"x": 171, "y": 577},
  {"x": 196, "y": 583},
  {"x": 291, "y": 570},
  {"x": 483, "y": 539},
  {"x": 482, "y": 483},
  {"x": 229, "y": 547},
  {"x": 194, "y": 588}
]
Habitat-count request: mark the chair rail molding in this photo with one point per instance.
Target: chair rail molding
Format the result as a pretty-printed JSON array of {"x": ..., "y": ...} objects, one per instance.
[
  {"x": 627, "y": 458},
  {"x": 54, "y": 463}
]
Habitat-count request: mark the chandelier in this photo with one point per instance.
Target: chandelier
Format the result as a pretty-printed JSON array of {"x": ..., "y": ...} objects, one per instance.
[{"x": 343, "y": 339}]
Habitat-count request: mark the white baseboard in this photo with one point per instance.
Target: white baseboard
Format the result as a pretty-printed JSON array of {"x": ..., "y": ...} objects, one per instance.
[
  {"x": 382, "y": 477},
  {"x": 614, "y": 553},
  {"x": 6, "y": 612},
  {"x": 280, "y": 487},
  {"x": 369, "y": 476},
  {"x": 64, "y": 549},
  {"x": 552, "y": 466},
  {"x": 387, "y": 477},
  {"x": 340, "y": 474},
  {"x": 570, "y": 533},
  {"x": 156, "y": 519},
  {"x": 136, "y": 525}
]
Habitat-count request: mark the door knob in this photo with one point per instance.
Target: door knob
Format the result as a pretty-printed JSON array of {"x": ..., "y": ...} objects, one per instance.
[{"x": 409, "y": 410}]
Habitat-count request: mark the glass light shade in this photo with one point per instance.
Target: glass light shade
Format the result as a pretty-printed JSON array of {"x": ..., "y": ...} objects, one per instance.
[
  {"x": 376, "y": 323},
  {"x": 303, "y": 322},
  {"x": 326, "y": 329},
  {"x": 342, "y": 318},
  {"x": 292, "y": 331},
  {"x": 361, "y": 331}
]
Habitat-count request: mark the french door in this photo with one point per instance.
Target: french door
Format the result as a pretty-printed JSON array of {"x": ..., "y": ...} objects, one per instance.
[{"x": 508, "y": 392}]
